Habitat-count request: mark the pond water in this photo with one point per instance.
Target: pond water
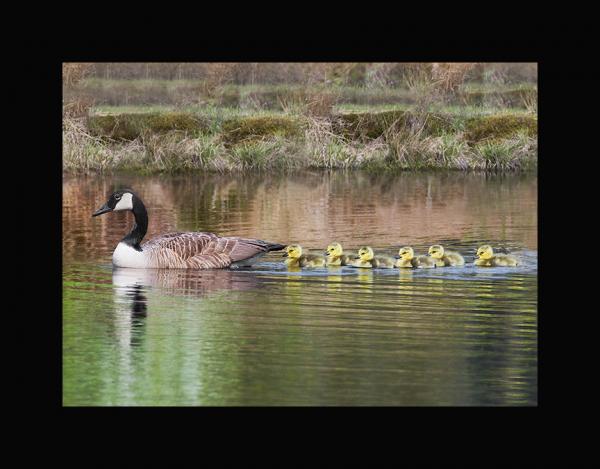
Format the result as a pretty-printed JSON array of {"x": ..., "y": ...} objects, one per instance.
[{"x": 455, "y": 336}]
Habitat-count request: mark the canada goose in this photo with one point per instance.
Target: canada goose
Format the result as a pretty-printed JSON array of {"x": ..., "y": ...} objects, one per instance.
[
  {"x": 487, "y": 258},
  {"x": 191, "y": 250},
  {"x": 295, "y": 258},
  {"x": 335, "y": 255},
  {"x": 444, "y": 258},
  {"x": 367, "y": 259},
  {"x": 406, "y": 258}
]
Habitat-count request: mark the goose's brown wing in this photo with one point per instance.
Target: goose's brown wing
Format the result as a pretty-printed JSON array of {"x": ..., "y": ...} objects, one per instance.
[
  {"x": 242, "y": 248},
  {"x": 197, "y": 250}
]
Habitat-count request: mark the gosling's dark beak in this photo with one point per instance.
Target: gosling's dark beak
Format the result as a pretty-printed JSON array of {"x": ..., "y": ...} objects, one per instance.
[
  {"x": 105, "y": 208},
  {"x": 396, "y": 257},
  {"x": 285, "y": 254},
  {"x": 326, "y": 253}
]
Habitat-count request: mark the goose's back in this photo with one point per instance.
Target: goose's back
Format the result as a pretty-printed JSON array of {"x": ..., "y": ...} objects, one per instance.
[{"x": 199, "y": 250}]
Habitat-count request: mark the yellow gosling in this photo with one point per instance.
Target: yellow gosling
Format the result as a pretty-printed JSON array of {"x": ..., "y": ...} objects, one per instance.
[
  {"x": 407, "y": 259},
  {"x": 335, "y": 255},
  {"x": 368, "y": 260},
  {"x": 443, "y": 258},
  {"x": 295, "y": 257},
  {"x": 487, "y": 258}
]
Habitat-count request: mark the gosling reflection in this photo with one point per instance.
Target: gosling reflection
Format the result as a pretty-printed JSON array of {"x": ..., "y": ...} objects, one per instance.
[
  {"x": 334, "y": 280},
  {"x": 365, "y": 281}
]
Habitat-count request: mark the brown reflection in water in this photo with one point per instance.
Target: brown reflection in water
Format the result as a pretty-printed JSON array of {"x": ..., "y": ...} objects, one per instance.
[
  {"x": 312, "y": 208},
  {"x": 183, "y": 282}
]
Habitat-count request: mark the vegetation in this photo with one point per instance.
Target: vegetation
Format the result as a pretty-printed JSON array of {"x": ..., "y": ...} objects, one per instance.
[{"x": 434, "y": 116}]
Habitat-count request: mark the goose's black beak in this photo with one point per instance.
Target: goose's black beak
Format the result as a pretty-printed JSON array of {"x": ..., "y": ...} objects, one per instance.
[
  {"x": 105, "y": 208},
  {"x": 285, "y": 254}
]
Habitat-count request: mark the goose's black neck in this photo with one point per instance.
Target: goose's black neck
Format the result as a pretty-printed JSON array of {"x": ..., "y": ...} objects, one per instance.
[{"x": 134, "y": 238}]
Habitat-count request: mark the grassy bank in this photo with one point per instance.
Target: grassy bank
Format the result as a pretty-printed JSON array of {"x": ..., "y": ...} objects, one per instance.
[{"x": 229, "y": 139}]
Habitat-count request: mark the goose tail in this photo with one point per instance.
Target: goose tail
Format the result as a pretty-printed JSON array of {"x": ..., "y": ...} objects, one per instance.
[{"x": 274, "y": 246}]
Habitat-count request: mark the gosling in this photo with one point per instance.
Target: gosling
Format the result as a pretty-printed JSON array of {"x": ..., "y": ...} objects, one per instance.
[
  {"x": 443, "y": 258},
  {"x": 487, "y": 258},
  {"x": 335, "y": 255},
  {"x": 407, "y": 259},
  {"x": 368, "y": 260},
  {"x": 295, "y": 258}
]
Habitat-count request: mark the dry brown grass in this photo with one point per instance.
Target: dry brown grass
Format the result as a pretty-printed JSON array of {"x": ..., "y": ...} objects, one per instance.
[
  {"x": 413, "y": 139},
  {"x": 325, "y": 148},
  {"x": 73, "y": 73},
  {"x": 348, "y": 73},
  {"x": 448, "y": 77},
  {"x": 75, "y": 104},
  {"x": 217, "y": 75},
  {"x": 315, "y": 102},
  {"x": 530, "y": 101}
]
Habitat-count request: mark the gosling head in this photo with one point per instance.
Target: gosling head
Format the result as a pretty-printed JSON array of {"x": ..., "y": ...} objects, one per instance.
[
  {"x": 334, "y": 250},
  {"x": 406, "y": 253},
  {"x": 436, "y": 251},
  {"x": 365, "y": 253},
  {"x": 485, "y": 252},
  {"x": 293, "y": 250},
  {"x": 119, "y": 200}
]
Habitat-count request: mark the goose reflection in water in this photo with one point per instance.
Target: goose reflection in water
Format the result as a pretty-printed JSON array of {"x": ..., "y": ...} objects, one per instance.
[
  {"x": 132, "y": 286},
  {"x": 130, "y": 312},
  {"x": 182, "y": 282}
]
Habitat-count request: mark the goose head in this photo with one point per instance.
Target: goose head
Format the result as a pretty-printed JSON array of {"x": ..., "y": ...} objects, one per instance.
[
  {"x": 293, "y": 251},
  {"x": 406, "y": 253},
  {"x": 436, "y": 251},
  {"x": 485, "y": 252},
  {"x": 119, "y": 200},
  {"x": 366, "y": 253},
  {"x": 334, "y": 250}
]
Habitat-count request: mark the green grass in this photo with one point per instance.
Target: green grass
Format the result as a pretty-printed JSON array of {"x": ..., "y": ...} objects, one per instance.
[
  {"x": 215, "y": 112},
  {"x": 222, "y": 113},
  {"x": 316, "y": 144},
  {"x": 497, "y": 87}
]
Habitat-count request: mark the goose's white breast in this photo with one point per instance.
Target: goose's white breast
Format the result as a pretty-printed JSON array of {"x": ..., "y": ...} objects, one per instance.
[{"x": 126, "y": 256}]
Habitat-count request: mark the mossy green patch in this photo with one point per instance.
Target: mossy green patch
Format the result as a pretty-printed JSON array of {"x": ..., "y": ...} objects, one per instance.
[
  {"x": 482, "y": 128},
  {"x": 131, "y": 126},
  {"x": 247, "y": 129}
]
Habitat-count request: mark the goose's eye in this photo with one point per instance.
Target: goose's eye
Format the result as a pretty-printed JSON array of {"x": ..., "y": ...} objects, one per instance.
[{"x": 118, "y": 197}]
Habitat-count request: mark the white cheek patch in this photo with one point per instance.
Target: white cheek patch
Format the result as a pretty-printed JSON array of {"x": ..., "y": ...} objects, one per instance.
[{"x": 126, "y": 202}]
